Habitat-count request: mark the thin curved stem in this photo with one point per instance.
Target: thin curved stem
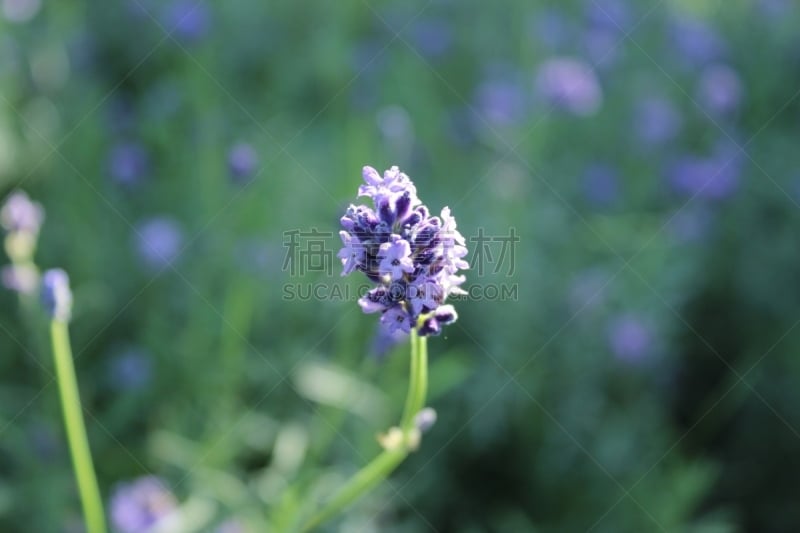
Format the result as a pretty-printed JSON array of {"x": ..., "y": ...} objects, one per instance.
[
  {"x": 76, "y": 430},
  {"x": 384, "y": 464}
]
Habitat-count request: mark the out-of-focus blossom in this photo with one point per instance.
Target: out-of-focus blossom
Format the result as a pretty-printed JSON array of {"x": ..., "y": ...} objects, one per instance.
[
  {"x": 131, "y": 370},
  {"x": 20, "y": 11},
  {"x": 656, "y": 121},
  {"x": 21, "y": 278},
  {"x": 601, "y": 185},
  {"x": 712, "y": 177},
  {"x": 629, "y": 338},
  {"x": 21, "y": 215},
  {"x": 612, "y": 15},
  {"x": 188, "y": 20},
  {"x": 159, "y": 241},
  {"x": 56, "y": 295},
  {"x": 425, "y": 419},
  {"x": 569, "y": 84},
  {"x": 242, "y": 161},
  {"x": 128, "y": 163},
  {"x": 695, "y": 41},
  {"x": 501, "y": 102},
  {"x": 432, "y": 37},
  {"x": 139, "y": 505},
  {"x": 720, "y": 89},
  {"x": 602, "y": 46}
]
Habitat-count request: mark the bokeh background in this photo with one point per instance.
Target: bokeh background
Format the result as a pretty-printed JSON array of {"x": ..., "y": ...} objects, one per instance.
[{"x": 638, "y": 373}]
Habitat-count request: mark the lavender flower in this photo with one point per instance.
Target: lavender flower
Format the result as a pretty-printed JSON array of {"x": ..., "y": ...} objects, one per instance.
[
  {"x": 56, "y": 294},
  {"x": 433, "y": 37},
  {"x": 425, "y": 419},
  {"x": 696, "y": 42},
  {"x": 128, "y": 162},
  {"x": 413, "y": 257},
  {"x": 242, "y": 161},
  {"x": 656, "y": 121},
  {"x": 630, "y": 339},
  {"x": 712, "y": 177},
  {"x": 21, "y": 215},
  {"x": 720, "y": 89},
  {"x": 139, "y": 505},
  {"x": 23, "y": 278},
  {"x": 188, "y": 20},
  {"x": 159, "y": 241},
  {"x": 571, "y": 85}
]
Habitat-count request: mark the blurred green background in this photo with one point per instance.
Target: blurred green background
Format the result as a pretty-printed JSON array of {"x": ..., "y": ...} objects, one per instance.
[{"x": 634, "y": 367}]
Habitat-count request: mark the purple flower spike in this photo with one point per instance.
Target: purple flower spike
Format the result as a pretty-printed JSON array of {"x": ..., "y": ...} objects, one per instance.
[{"x": 414, "y": 258}]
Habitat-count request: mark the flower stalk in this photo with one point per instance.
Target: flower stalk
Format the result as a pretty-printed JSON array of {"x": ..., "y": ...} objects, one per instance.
[
  {"x": 395, "y": 450},
  {"x": 58, "y": 301}
]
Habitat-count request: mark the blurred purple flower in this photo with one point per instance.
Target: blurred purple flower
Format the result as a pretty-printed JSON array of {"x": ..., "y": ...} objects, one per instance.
[
  {"x": 501, "y": 102},
  {"x": 720, "y": 89},
  {"x": 188, "y": 20},
  {"x": 57, "y": 295},
  {"x": 602, "y": 46},
  {"x": 601, "y": 185},
  {"x": 131, "y": 369},
  {"x": 21, "y": 215},
  {"x": 569, "y": 84},
  {"x": 137, "y": 506},
  {"x": 432, "y": 37},
  {"x": 610, "y": 15},
  {"x": 656, "y": 121},
  {"x": 128, "y": 162},
  {"x": 242, "y": 162},
  {"x": 695, "y": 41},
  {"x": 713, "y": 177},
  {"x": 629, "y": 338},
  {"x": 20, "y": 278},
  {"x": 159, "y": 241},
  {"x": 20, "y": 11}
]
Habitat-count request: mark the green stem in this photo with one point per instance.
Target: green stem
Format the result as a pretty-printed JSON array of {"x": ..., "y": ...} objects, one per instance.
[
  {"x": 76, "y": 430},
  {"x": 385, "y": 463}
]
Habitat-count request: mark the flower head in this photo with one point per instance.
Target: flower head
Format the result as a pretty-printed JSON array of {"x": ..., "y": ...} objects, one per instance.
[
  {"x": 56, "y": 294},
  {"x": 21, "y": 215},
  {"x": 139, "y": 505},
  {"x": 413, "y": 257}
]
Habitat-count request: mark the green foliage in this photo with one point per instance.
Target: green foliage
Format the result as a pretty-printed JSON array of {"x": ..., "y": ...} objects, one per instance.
[{"x": 640, "y": 377}]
